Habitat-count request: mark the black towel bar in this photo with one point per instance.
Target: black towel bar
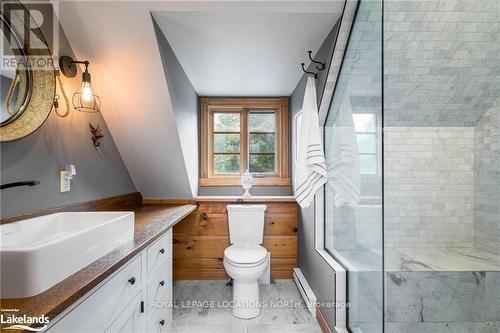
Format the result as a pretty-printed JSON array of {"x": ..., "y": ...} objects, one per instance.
[{"x": 17, "y": 184}]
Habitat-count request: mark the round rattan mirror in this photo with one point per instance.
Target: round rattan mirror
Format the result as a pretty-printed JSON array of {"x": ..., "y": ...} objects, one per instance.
[{"x": 26, "y": 73}]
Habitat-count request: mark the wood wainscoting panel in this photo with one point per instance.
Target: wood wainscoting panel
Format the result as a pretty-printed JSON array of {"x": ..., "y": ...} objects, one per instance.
[{"x": 201, "y": 238}]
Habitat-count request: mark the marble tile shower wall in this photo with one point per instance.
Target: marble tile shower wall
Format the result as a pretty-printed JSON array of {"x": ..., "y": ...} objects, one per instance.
[
  {"x": 429, "y": 186},
  {"x": 441, "y": 61},
  {"x": 487, "y": 181}
]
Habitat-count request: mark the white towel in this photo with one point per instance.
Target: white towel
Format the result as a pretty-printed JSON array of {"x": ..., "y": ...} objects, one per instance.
[
  {"x": 343, "y": 166},
  {"x": 311, "y": 169}
]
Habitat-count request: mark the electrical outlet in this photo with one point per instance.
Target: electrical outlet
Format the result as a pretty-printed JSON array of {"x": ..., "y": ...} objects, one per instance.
[{"x": 65, "y": 182}]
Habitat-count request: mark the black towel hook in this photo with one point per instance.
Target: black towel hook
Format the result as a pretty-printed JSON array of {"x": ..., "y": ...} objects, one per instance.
[
  {"x": 323, "y": 65},
  {"x": 312, "y": 73}
]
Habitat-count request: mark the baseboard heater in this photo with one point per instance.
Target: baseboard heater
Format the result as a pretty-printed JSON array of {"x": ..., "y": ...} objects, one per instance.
[{"x": 305, "y": 290}]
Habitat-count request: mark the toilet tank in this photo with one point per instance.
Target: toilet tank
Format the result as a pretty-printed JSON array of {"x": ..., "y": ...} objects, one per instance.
[{"x": 246, "y": 224}]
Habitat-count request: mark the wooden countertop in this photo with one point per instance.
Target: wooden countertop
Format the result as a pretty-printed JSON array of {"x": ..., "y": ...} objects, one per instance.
[
  {"x": 212, "y": 198},
  {"x": 245, "y": 199},
  {"x": 151, "y": 222}
]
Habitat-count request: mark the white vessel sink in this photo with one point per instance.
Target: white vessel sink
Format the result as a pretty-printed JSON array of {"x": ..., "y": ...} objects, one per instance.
[{"x": 38, "y": 253}]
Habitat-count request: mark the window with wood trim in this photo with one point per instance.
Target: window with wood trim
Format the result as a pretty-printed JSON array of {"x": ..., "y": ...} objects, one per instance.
[{"x": 239, "y": 134}]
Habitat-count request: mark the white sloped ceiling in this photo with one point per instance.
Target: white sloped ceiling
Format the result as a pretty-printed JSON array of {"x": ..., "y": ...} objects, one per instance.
[{"x": 118, "y": 38}]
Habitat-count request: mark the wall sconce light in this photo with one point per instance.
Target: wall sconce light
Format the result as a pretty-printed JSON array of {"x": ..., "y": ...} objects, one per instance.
[{"x": 84, "y": 99}]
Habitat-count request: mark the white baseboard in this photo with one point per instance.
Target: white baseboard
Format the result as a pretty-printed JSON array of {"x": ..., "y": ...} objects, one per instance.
[
  {"x": 305, "y": 290},
  {"x": 341, "y": 330}
]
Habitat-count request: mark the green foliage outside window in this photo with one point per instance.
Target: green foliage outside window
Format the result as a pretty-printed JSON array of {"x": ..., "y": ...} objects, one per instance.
[{"x": 261, "y": 142}]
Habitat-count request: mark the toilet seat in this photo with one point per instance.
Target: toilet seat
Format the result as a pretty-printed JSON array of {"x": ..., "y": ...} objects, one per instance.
[
  {"x": 240, "y": 256},
  {"x": 252, "y": 265}
]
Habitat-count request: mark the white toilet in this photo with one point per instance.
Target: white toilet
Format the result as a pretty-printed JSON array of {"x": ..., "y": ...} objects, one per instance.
[{"x": 246, "y": 260}]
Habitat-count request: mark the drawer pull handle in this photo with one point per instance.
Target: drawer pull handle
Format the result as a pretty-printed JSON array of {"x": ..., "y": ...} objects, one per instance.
[
  {"x": 204, "y": 216},
  {"x": 162, "y": 283},
  {"x": 162, "y": 251},
  {"x": 162, "y": 322},
  {"x": 131, "y": 280}
]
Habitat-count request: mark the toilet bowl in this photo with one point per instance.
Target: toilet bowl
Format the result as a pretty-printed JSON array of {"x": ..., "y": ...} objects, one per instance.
[{"x": 246, "y": 260}]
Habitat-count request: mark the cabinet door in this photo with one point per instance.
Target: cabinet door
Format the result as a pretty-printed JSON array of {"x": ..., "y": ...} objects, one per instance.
[
  {"x": 100, "y": 309},
  {"x": 131, "y": 320}
]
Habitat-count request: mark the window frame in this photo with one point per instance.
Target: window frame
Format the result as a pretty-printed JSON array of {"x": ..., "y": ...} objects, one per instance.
[
  {"x": 209, "y": 106},
  {"x": 275, "y": 133},
  {"x": 211, "y": 140}
]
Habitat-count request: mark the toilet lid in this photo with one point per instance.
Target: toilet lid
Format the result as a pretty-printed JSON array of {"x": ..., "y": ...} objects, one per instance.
[{"x": 245, "y": 255}]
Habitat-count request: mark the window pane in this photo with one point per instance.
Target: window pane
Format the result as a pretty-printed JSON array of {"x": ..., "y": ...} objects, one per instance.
[
  {"x": 226, "y": 122},
  {"x": 226, "y": 143},
  {"x": 262, "y": 122},
  {"x": 227, "y": 164},
  {"x": 367, "y": 143},
  {"x": 261, "y": 143},
  {"x": 261, "y": 163},
  {"x": 367, "y": 164},
  {"x": 364, "y": 122}
]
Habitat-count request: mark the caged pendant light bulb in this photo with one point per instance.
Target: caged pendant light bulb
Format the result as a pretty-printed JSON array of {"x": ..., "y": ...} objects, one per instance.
[{"x": 84, "y": 99}]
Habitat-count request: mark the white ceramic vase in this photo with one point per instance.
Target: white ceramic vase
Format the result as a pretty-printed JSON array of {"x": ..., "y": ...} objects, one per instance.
[{"x": 246, "y": 183}]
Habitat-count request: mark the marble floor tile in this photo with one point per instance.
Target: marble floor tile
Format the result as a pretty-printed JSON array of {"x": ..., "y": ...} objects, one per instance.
[
  {"x": 201, "y": 307},
  {"x": 208, "y": 329},
  {"x": 462, "y": 327},
  {"x": 189, "y": 316},
  {"x": 300, "y": 328},
  {"x": 269, "y": 292}
]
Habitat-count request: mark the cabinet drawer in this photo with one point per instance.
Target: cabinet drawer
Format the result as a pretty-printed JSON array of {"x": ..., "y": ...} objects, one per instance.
[
  {"x": 160, "y": 283},
  {"x": 98, "y": 310},
  {"x": 159, "y": 252},
  {"x": 130, "y": 320},
  {"x": 160, "y": 320}
]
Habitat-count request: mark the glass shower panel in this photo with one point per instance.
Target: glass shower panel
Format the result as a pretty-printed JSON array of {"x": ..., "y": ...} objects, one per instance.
[
  {"x": 442, "y": 166},
  {"x": 353, "y": 148}
]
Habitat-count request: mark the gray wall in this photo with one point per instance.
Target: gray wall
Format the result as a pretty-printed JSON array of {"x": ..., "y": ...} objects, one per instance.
[
  {"x": 5, "y": 83},
  {"x": 317, "y": 272},
  {"x": 59, "y": 141},
  {"x": 238, "y": 190},
  {"x": 185, "y": 106}
]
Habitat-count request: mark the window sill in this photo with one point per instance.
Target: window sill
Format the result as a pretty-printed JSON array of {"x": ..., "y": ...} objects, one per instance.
[{"x": 236, "y": 181}]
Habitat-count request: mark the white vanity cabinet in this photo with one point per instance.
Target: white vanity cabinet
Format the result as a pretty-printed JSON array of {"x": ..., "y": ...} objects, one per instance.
[
  {"x": 159, "y": 285},
  {"x": 136, "y": 298},
  {"x": 130, "y": 320}
]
